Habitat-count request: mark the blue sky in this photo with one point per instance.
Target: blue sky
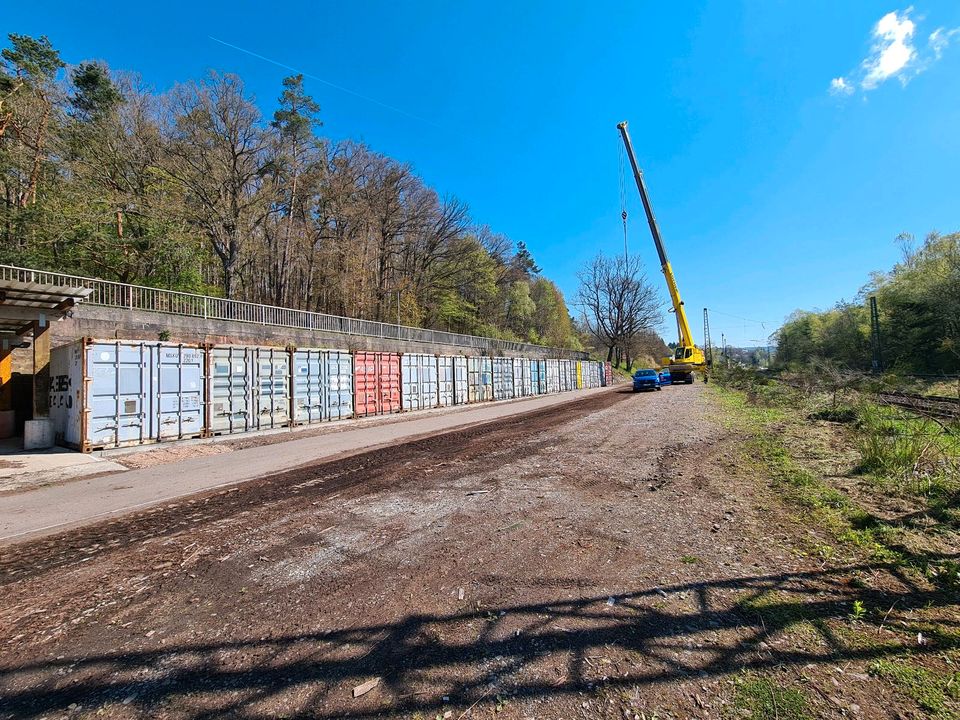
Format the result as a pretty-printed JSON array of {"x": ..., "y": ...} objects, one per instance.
[{"x": 785, "y": 145}]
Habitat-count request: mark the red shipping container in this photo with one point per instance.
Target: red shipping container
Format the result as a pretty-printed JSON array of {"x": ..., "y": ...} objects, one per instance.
[
  {"x": 607, "y": 374},
  {"x": 376, "y": 383}
]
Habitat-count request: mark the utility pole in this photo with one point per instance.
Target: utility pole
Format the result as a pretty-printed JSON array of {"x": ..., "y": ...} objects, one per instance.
[
  {"x": 877, "y": 362},
  {"x": 708, "y": 344}
]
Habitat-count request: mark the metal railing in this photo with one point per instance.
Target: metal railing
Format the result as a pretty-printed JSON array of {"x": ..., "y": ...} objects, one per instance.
[{"x": 107, "y": 293}]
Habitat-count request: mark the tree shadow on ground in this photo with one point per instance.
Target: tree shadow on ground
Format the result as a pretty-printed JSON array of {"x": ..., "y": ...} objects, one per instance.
[{"x": 649, "y": 637}]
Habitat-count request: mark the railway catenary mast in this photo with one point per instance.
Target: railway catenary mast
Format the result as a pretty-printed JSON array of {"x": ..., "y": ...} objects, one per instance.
[{"x": 688, "y": 357}]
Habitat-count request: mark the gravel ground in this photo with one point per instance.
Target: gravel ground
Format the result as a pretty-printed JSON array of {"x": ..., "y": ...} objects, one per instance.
[{"x": 587, "y": 560}]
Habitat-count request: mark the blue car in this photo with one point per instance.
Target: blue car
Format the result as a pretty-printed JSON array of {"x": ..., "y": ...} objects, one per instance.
[
  {"x": 646, "y": 379},
  {"x": 665, "y": 378}
]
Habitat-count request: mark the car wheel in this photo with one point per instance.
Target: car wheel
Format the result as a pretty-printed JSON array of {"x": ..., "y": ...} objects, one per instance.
[{"x": 658, "y": 388}]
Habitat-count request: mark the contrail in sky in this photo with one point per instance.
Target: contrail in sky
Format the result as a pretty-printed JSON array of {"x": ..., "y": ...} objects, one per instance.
[{"x": 325, "y": 82}]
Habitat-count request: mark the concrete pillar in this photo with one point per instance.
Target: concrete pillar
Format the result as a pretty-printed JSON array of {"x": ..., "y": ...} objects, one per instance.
[{"x": 38, "y": 433}]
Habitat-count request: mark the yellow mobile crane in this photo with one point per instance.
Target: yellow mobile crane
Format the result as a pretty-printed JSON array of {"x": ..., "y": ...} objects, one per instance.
[{"x": 688, "y": 357}]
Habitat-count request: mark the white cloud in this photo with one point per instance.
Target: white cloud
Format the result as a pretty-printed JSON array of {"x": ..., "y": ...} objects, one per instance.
[
  {"x": 894, "y": 54},
  {"x": 892, "y": 50},
  {"x": 940, "y": 39},
  {"x": 840, "y": 86}
]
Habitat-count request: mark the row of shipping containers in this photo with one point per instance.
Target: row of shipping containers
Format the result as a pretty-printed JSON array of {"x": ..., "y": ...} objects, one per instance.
[{"x": 115, "y": 393}]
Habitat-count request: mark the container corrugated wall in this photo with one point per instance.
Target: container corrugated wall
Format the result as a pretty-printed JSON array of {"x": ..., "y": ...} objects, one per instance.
[
  {"x": 566, "y": 376},
  {"x": 229, "y": 390},
  {"x": 479, "y": 379},
  {"x": 553, "y": 376},
  {"x": 272, "y": 390},
  {"x": 579, "y": 375},
  {"x": 538, "y": 376},
  {"x": 588, "y": 372},
  {"x": 522, "y": 380},
  {"x": 120, "y": 393},
  {"x": 419, "y": 387},
  {"x": 322, "y": 385},
  {"x": 502, "y": 378},
  {"x": 452, "y": 379},
  {"x": 608, "y": 373},
  {"x": 376, "y": 380},
  {"x": 519, "y": 390},
  {"x": 248, "y": 389},
  {"x": 179, "y": 385}
]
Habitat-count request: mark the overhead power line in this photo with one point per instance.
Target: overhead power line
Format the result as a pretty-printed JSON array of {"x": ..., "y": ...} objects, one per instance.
[{"x": 367, "y": 98}]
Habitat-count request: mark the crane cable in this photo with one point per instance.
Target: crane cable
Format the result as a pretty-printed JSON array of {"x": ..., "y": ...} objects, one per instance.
[{"x": 623, "y": 201}]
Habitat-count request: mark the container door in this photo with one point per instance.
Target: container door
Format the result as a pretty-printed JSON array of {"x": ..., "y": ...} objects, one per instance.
[
  {"x": 486, "y": 378},
  {"x": 518, "y": 365},
  {"x": 388, "y": 377},
  {"x": 417, "y": 381},
  {"x": 498, "y": 379},
  {"x": 430, "y": 392},
  {"x": 118, "y": 394},
  {"x": 366, "y": 397},
  {"x": 506, "y": 374},
  {"x": 475, "y": 388},
  {"x": 445, "y": 381},
  {"x": 178, "y": 384},
  {"x": 553, "y": 375},
  {"x": 409, "y": 382},
  {"x": 460, "y": 380},
  {"x": 338, "y": 383},
  {"x": 308, "y": 386},
  {"x": 229, "y": 388},
  {"x": 272, "y": 388}
]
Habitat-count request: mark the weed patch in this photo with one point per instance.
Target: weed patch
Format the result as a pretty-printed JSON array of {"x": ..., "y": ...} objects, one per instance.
[
  {"x": 934, "y": 691},
  {"x": 761, "y": 699}
]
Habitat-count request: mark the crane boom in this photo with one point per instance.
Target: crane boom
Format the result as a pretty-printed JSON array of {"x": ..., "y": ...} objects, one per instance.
[{"x": 688, "y": 354}]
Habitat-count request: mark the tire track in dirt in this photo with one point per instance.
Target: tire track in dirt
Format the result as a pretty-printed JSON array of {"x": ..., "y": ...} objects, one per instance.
[{"x": 377, "y": 468}]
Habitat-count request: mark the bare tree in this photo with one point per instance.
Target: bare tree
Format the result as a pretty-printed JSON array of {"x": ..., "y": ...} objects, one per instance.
[
  {"x": 217, "y": 153},
  {"x": 618, "y": 303}
]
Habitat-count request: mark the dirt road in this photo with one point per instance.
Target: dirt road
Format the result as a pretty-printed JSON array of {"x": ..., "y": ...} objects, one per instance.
[{"x": 580, "y": 561}]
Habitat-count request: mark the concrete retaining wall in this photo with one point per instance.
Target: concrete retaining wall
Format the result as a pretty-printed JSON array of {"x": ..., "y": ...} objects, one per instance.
[{"x": 103, "y": 322}]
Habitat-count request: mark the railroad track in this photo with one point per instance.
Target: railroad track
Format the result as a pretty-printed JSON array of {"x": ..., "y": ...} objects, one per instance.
[{"x": 934, "y": 406}]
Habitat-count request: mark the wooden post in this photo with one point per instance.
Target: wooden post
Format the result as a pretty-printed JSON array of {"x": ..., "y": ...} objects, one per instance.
[{"x": 41, "y": 368}]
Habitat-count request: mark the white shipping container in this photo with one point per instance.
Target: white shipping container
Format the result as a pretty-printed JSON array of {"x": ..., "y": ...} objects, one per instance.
[
  {"x": 322, "y": 385},
  {"x": 538, "y": 376},
  {"x": 502, "y": 378},
  {"x": 521, "y": 377},
  {"x": 419, "y": 388},
  {"x": 115, "y": 393},
  {"x": 248, "y": 389},
  {"x": 452, "y": 378},
  {"x": 479, "y": 379},
  {"x": 553, "y": 376}
]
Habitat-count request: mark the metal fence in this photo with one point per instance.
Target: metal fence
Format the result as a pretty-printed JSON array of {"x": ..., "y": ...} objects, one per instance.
[{"x": 137, "y": 297}]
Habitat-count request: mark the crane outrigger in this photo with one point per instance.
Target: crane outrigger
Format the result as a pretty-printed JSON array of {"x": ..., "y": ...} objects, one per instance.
[{"x": 688, "y": 357}]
